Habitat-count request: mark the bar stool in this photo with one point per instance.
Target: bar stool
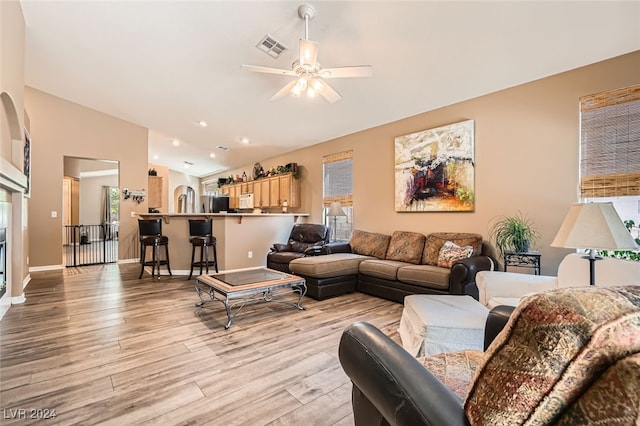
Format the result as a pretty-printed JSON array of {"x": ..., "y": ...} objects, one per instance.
[
  {"x": 150, "y": 231},
  {"x": 200, "y": 235}
]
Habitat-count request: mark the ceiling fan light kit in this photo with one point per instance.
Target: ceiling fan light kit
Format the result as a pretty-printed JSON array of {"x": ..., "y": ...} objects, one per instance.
[{"x": 308, "y": 72}]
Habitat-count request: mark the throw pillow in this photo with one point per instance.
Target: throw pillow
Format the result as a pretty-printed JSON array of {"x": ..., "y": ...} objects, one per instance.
[
  {"x": 435, "y": 240},
  {"x": 369, "y": 243},
  {"x": 406, "y": 247},
  {"x": 451, "y": 253}
]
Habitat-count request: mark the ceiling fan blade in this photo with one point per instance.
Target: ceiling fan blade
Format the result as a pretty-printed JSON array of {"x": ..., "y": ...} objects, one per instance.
[
  {"x": 343, "y": 72},
  {"x": 284, "y": 91},
  {"x": 254, "y": 68},
  {"x": 329, "y": 93},
  {"x": 308, "y": 52}
]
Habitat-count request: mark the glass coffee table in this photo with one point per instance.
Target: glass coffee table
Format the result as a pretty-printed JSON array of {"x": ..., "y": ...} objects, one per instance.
[{"x": 238, "y": 288}]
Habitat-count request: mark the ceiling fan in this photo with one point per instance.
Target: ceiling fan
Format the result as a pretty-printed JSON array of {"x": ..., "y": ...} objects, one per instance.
[{"x": 310, "y": 75}]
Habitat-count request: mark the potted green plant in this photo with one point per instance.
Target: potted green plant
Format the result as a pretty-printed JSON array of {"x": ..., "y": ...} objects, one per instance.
[{"x": 514, "y": 233}]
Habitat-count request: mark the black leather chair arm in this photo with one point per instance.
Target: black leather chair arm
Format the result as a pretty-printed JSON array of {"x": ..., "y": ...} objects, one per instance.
[
  {"x": 336, "y": 247},
  {"x": 280, "y": 247},
  {"x": 464, "y": 271},
  {"x": 313, "y": 251},
  {"x": 389, "y": 383},
  {"x": 497, "y": 319}
]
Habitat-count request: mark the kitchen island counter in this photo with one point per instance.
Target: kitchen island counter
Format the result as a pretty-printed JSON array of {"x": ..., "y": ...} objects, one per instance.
[{"x": 242, "y": 239}]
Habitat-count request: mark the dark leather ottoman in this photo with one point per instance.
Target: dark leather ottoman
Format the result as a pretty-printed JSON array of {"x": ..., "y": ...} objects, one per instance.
[{"x": 329, "y": 275}]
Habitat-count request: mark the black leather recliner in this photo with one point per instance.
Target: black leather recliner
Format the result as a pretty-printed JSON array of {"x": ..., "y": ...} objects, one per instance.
[
  {"x": 306, "y": 239},
  {"x": 390, "y": 387}
]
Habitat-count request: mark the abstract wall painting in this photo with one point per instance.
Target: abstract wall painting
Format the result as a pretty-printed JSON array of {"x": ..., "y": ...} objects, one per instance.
[{"x": 434, "y": 169}]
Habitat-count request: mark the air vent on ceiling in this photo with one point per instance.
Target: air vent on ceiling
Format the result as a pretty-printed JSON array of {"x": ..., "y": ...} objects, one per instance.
[
  {"x": 224, "y": 148},
  {"x": 271, "y": 46}
]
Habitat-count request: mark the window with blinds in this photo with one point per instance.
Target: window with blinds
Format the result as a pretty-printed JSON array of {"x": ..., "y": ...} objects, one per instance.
[
  {"x": 210, "y": 186},
  {"x": 610, "y": 144},
  {"x": 338, "y": 187}
]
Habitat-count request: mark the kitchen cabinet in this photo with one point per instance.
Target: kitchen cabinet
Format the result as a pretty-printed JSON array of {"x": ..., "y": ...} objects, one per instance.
[
  {"x": 284, "y": 188},
  {"x": 234, "y": 196},
  {"x": 289, "y": 190},
  {"x": 263, "y": 192},
  {"x": 154, "y": 198},
  {"x": 267, "y": 192},
  {"x": 246, "y": 188},
  {"x": 274, "y": 192},
  {"x": 232, "y": 192}
]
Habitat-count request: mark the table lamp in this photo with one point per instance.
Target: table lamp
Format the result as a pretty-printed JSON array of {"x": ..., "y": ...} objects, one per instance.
[
  {"x": 593, "y": 226},
  {"x": 335, "y": 210}
]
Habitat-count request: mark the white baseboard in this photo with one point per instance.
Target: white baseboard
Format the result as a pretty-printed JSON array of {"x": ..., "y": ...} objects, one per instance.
[
  {"x": 18, "y": 299},
  {"x": 26, "y": 281},
  {"x": 45, "y": 268},
  {"x": 6, "y": 301},
  {"x": 5, "y": 304}
]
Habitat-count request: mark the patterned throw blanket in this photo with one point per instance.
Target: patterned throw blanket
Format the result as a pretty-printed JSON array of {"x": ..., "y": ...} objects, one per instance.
[{"x": 569, "y": 356}]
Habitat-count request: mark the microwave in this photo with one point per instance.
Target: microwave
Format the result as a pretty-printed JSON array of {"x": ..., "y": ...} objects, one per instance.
[{"x": 246, "y": 201}]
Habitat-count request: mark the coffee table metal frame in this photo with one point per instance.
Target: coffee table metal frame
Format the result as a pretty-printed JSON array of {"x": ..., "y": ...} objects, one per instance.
[{"x": 239, "y": 295}]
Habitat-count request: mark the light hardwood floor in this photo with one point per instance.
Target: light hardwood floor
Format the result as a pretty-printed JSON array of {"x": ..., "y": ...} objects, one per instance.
[{"x": 97, "y": 345}]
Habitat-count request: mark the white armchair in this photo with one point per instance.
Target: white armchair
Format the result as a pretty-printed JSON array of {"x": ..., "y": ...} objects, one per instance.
[{"x": 506, "y": 288}]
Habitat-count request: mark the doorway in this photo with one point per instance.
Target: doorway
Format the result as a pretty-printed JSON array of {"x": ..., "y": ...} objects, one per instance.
[{"x": 91, "y": 211}]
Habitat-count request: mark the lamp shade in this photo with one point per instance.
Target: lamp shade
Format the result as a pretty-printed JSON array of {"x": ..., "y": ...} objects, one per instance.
[
  {"x": 594, "y": 226},
  {"x": 336, "y": 209}
]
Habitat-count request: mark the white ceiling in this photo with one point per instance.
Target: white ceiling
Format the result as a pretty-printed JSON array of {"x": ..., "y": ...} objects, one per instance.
[{"x": 165, "y": 65}]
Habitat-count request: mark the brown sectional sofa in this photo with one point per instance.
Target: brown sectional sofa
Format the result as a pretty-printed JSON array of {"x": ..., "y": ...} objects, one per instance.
[{"x": 394, "y": 266}]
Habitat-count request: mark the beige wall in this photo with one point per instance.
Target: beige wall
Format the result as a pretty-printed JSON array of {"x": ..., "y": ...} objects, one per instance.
[
  {"x": 526, "y": 153},
  {"x": 58, "y": 128}
]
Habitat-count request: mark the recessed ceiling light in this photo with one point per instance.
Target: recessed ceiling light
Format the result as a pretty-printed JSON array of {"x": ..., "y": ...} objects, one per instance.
[
  {"x": 202, "y": 123},
  {"x": 175, "y": 142},
  {"x": 212, "y": 155},
  {"x": 155, "y": 157},
  {"x": 244, "y": 140}
]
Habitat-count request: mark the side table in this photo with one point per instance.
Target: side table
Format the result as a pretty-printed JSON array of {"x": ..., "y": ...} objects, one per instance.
[{"x": 530, "y": 259}]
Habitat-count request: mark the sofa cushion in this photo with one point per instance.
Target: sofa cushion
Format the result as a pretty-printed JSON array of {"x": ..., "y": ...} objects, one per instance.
[
  {"x": 331, "y": 265},
  {"x": 385, "y": 269},
  {"x": 406, "y": 247},
  {"x": 369, "y": 243},
  {"x": 580, "y": 333},
  {"x": 436, "y": 240},
  {"x": 425, "y": 276},
  {"x": 450, "y": 253},
  {"x": 454, "y": 369}
]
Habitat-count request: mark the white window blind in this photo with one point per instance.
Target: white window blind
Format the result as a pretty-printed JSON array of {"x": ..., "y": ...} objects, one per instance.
[
  {"x": 210, "y": 186},
  {"x": 338, "y": 178},
  {"x": 610, "y": 143}
]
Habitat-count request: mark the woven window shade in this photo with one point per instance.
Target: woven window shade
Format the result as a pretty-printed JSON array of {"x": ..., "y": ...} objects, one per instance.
[
  {"x": 338, "y": 178},
  {"x": 610, "y": 143}
]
